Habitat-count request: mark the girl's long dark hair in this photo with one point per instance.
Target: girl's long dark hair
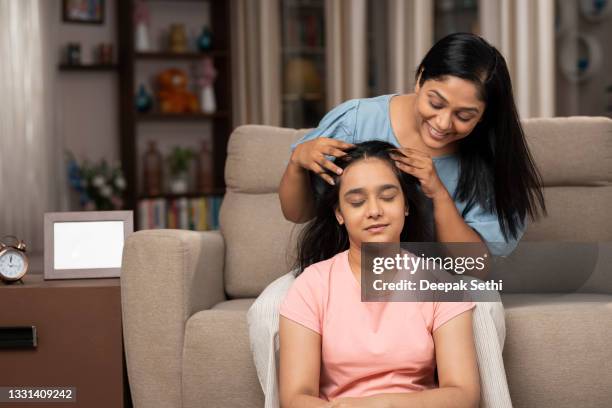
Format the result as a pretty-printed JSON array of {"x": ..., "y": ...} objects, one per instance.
[
  {"x": 497, "y": 169},
  {"x": 323, "y": 237}
]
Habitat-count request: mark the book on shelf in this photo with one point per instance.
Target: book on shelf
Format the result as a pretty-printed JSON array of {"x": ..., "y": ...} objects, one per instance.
[{"x": 196, "y": 214}]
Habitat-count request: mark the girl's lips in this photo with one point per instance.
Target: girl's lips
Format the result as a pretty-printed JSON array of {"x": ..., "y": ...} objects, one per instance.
[{"x": 378, "y": 228}]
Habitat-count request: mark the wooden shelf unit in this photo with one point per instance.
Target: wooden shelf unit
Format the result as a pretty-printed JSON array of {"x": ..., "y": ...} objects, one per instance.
[{"x": 221, "y": 121}]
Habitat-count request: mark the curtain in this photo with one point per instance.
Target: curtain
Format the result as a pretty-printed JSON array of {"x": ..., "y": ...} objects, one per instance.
[
  {"x": 346, "y": 50},
  {"x": 410, "y": 37},
  {"x": 523, "y": 31},
  {"x": 256, "y": 56},
  {"x": 30, "y": 154}
]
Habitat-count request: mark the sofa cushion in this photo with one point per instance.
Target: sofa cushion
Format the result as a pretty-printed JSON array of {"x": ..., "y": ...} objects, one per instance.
[
  {"x": 260, "y": 243},
  {"x": 558, "y": 350},
  {"x": 218, "y": 368},
  {"x": 574, "y": 214},
  {"x": 587, "y": 161},
  {"x": 257, "y": 156}
]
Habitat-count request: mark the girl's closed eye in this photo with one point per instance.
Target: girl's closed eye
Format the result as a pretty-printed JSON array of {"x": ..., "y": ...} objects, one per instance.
[{"x": 388, "y": 197}]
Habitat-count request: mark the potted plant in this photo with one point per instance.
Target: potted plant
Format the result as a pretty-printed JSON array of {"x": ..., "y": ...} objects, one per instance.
[{"x": 178, "y": 163}]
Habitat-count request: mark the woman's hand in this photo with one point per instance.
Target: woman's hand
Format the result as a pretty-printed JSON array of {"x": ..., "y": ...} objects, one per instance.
[
  {"x": 421, "y": 166},
  {"x": 311, "y": 156}
]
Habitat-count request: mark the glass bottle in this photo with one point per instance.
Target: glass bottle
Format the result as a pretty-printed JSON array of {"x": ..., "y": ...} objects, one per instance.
[
  {"x": 153, "y": 168},
  {"x": 205, "y": 166},
  {"x": 205, "y": 39}
]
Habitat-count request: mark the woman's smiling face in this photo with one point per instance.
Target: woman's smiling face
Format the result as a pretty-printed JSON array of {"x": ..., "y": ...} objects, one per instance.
[
  {"x": 371, "y": 202},
  {"x": 447, "y": 110}
]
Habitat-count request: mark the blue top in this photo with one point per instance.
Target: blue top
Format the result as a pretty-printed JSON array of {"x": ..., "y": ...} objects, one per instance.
[{"x": 360, "y": 120}]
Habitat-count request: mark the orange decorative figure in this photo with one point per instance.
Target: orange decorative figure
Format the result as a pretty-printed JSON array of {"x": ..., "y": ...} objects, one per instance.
[{"x": 173, "y": 94}]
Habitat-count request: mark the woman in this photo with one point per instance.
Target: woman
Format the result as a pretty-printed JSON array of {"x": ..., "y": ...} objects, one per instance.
[
  {"x": 459, "y": 134},
  {"x": 338, "y": 351}
]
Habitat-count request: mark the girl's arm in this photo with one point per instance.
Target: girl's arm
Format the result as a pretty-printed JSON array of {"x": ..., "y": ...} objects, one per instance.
[
  {"x": 297, "y": 202},
  {"x": 300, "y": 363},
  {"x": 457, "y": 373}
]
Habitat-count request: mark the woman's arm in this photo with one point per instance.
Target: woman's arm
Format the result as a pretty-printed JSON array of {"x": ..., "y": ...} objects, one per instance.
[
  {"x": 450, "y": 225},
  {"x": 457, "y": 373},
  {"x": 295, "y": 194}
]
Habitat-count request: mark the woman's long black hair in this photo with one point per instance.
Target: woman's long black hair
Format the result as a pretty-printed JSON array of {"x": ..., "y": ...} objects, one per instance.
[
  {"x": 323, "y": 237},
  {"x": 497, "y": 169}
]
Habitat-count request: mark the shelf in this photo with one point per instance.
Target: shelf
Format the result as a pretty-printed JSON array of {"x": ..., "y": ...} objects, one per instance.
[
  {"x": 179, "y": 117},
  {"x": 169, "y": 196},
  {"x": 89, "y": 67},
  {"x": 165, "y": 55}
]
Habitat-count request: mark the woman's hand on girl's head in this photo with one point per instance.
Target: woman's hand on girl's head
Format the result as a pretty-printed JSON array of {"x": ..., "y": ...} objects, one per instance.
[
  {"x": 311, "y": 156},
  {"x": 421, "y": 166}
]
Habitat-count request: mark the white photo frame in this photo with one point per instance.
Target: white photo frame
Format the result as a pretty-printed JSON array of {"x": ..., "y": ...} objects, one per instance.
[{"x": 88, "y": 244}]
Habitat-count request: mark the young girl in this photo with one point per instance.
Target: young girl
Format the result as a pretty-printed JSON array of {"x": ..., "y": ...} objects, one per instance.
[{"x": 338, "y": 351}]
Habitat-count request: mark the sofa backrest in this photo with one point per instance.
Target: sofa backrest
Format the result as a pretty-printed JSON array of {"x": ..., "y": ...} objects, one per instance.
[
  {"x": 574, "y": 156},
  {"x": 260, "y": 243}
]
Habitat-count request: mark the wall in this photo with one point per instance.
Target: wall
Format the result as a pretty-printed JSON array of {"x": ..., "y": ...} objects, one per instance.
[{"x": 87, "y": 101}]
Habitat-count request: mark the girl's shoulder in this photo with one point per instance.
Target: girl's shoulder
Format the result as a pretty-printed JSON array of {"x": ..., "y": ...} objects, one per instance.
[{"x": 321, "y": 270}]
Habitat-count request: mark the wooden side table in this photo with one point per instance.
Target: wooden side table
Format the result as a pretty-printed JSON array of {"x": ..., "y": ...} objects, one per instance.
[{"x": 79, "y": 334}]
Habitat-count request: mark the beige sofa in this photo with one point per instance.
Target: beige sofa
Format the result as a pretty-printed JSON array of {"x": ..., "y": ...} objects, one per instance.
[{"x": 185, "y": 294}]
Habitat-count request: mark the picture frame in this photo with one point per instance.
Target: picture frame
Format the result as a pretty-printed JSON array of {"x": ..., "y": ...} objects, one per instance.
[
  {"x": 83, "y": 11},
  {"x": 85, "y": 244}
]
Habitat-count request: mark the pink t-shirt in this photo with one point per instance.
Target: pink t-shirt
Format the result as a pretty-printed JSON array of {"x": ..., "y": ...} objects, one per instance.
[{"x": 366, "y": 347}]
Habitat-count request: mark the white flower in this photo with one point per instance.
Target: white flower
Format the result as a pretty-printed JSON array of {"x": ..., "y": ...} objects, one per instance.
[
  {"x": 98, "y": 181},
  {"x": 106, "y": 191},
  {"x": 120, "y": 183}
]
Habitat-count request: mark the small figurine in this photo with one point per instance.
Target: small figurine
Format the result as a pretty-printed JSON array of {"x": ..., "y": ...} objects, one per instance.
[
  {"x": 178, "y": 38},
  {"x": 142, "y": 20},
  {"x": 205, "y": 80}
]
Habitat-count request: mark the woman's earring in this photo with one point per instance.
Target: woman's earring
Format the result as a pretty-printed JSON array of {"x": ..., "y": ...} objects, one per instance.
[{"x": 406, "y": 213}]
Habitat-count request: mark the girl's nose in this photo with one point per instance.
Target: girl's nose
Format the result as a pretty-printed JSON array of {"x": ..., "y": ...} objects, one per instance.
[{"x": 374, "y": 208}]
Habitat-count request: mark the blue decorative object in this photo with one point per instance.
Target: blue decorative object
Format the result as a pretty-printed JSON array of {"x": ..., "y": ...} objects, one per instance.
[
  {"x": 144, "y": 100},
  {"x": 205, "y": 39}
]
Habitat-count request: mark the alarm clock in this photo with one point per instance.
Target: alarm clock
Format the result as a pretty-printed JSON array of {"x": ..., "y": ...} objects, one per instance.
[{"x": 13, "y": 260}]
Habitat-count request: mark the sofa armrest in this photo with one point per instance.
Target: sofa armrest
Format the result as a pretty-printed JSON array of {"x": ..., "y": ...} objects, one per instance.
[{"x": 167, "y": 275}]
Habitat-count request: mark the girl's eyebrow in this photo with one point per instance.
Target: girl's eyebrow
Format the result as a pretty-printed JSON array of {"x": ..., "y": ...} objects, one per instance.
[{"x": 380, "y": 189}]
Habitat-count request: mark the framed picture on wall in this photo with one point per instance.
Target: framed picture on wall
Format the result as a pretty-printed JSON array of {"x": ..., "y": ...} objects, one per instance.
[{"x": 83, "y": 11}]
